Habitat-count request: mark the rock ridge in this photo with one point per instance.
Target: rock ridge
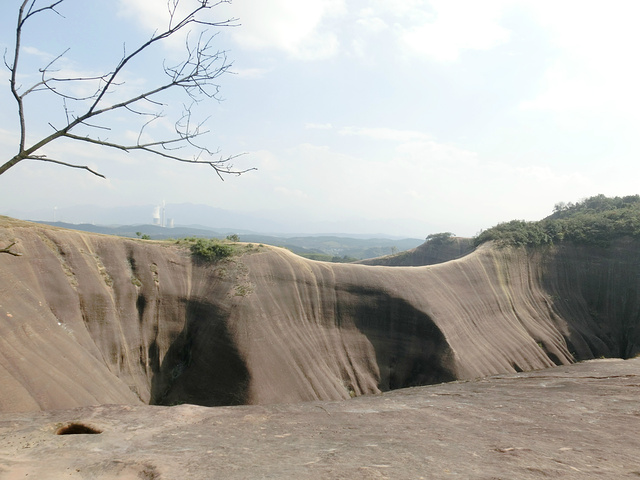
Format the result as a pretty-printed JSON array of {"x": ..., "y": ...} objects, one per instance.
[{"x": 90, "y": 319}]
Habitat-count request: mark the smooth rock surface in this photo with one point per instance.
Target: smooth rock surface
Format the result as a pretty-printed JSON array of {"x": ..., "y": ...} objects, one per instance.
[
  {"x": 570, "y": 422},
  {"x": 90, "y": 319}
]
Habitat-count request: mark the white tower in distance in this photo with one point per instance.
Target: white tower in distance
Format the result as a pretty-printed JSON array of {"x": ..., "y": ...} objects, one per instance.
[
  {"x": 156, "y": 216},
  {"x": 159, "y": 217}
]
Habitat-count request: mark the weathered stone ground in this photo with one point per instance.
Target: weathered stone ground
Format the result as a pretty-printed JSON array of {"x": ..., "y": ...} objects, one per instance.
[{"x": 569, "y": 422}]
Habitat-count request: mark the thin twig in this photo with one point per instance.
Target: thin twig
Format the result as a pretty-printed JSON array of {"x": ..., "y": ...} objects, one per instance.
[{"x": 42, "y": 158}]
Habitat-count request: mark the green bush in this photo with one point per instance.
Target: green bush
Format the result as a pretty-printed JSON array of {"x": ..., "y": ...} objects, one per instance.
[{"x": 211, "y": 249}]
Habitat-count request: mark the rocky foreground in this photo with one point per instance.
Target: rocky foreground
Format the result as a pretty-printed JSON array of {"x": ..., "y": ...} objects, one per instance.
[{"x": 570, "y": 422}]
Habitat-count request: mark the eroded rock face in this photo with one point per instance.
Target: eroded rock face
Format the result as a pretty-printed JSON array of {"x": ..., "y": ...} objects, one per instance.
[
  {"x": 89, "y": 319},
  {"x": 598, "y": 291}
]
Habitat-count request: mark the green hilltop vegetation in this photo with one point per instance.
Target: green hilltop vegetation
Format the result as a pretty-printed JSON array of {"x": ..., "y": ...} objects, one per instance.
[
  {"x": 213, "y": 249},
  {"x": 593, "y": 221}
]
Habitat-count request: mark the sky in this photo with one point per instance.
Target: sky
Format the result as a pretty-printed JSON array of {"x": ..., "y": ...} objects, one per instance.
[{"x": 405, "y": 117}]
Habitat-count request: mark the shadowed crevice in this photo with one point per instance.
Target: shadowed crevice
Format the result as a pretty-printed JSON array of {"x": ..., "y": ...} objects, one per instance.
[
  {"x": 203, "y": 365},
  {"x": 141, "y": 305},
  {"x": 410, "y": 348}
]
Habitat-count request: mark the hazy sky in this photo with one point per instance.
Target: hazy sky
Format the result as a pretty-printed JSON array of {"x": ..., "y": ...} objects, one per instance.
[{"x": 400, "y": 116}]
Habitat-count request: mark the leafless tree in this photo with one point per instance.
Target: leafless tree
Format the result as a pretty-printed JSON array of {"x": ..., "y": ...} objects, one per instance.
[{"x": 196, "y": 75}]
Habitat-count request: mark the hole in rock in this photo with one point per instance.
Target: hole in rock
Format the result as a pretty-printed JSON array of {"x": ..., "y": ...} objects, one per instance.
[{"x": 77, "y": 429}]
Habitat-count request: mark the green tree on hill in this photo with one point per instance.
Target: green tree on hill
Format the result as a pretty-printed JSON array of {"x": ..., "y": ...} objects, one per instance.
[
  {"x": 439, "y": 238},
  {"x": 593, "y": 221}
]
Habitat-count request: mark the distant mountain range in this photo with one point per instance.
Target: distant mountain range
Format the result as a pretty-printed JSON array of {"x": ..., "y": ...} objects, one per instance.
[
  {"x": 220, "y": 220},
  {"x": 200, "y": 216},
  {"x": 329, "y": 245}
]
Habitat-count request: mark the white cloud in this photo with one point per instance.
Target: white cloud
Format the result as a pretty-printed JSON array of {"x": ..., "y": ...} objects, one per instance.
[
  {"x": 294, "y": 27},
  {"x": 318, "y": 126},
  {"x": 455, "y": 26},
  {"x": 437, "y": 29},
  {"x": 388, "y": 8},
  {"x": 38, "y": 53},
  {"x": 437, "y": 154},
  {"x": 580, "y": 57},
  {"x": 546, "y": 177},
  {"x": 372, "y": 24},
  {"x": 153, "y": 14},
  {"x": 295, "y": 193},
  {"x": 264, "y": 161},
  {"x": 359, "y": 47},
  {"x": 250, "y": 73},
  {"x": 594, "y": 71},
  {"x": 385, "y": 134},
  {"x": 326, "y": 183}
]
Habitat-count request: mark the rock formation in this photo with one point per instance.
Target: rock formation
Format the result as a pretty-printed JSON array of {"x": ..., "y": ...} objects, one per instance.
[{"x": 90, "y": 319}]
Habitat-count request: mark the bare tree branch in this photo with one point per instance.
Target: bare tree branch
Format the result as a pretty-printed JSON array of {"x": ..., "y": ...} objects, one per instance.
[
  {"x": 43, "y": 158},
  {"x": 31, "y": 11},
  {"x": 220, "y": 165},
  {"x": 196, "y": 76}
]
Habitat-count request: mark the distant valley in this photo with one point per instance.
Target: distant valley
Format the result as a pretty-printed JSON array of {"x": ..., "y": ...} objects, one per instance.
[{"x": 339, "y": 247}]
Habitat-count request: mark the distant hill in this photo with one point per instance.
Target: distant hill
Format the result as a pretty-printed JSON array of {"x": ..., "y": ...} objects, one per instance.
[
  {"x": 269, "y": 222},
  {"x": 182, "y": 214},
  {"x": 155, "y": 232},
  {"x": 326, "y": 247},
  {"x": 336, "y": 246},
  {"x": 436, "y": 249}
]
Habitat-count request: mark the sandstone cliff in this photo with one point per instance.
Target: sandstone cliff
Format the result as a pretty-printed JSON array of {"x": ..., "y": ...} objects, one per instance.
[{"x": 91, "y": 319}]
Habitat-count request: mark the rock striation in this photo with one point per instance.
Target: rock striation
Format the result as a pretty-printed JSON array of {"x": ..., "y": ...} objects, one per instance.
[{"x": 90, "y": 319}]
